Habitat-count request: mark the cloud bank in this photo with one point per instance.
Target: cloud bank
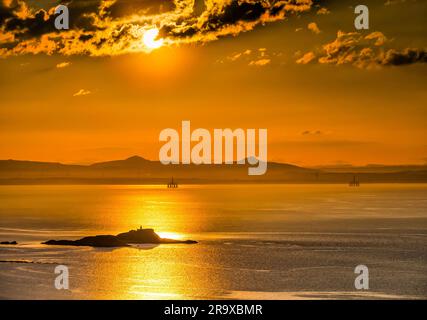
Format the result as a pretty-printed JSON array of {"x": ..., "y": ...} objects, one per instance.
[
  {"x": 363, "y": 51},
  {"x": 113, "y": 27}
]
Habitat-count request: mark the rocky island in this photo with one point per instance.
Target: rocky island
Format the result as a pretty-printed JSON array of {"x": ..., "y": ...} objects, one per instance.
[
  {"x": 10, "y": 243},
  {"x": 139, "y": 236}
]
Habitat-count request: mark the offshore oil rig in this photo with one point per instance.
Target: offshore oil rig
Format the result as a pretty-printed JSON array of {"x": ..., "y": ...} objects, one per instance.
[
  {"x": 172, "y": 184},
  {"x": 354, "y": 183}
]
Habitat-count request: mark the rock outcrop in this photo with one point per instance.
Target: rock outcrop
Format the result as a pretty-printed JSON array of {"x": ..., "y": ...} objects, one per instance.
[
  {"x": 139, "y": 236},
  {"x": 96, "y": 241}
]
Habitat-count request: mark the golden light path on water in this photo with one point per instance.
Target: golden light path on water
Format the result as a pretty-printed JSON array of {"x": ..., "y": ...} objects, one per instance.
[
  {"x": 150, "y": 271},
  {"x": 151, "y": 207},
  {"x": 146, "y": 274}
]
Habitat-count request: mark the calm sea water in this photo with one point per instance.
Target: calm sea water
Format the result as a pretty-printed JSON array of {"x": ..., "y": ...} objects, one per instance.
[{"x": 256, "y": 241}]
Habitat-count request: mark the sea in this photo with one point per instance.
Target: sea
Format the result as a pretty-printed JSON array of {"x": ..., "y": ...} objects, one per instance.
[{"x": 272, "y": 241}]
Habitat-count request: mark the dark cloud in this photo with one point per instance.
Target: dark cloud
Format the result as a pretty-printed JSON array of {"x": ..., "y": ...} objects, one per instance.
[
  {"x": 5, "y": 13},
  {"x": 236, "y": 11},
  {"x": 33, "y": 26},
  {"x": 110, "y": 27},
  {"x": 312, "y": 132},
  {"x": 407, "y": 56}
]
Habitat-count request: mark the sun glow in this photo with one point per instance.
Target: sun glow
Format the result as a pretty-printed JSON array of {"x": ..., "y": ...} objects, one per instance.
[
  {"x": 170, "y": 235},
  {"x": 149, "y": 39}
]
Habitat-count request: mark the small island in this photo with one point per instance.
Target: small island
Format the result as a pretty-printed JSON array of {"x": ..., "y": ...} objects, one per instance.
[
  {"x": 126, "y": 239},
  {"x": 9, "y": 243}
]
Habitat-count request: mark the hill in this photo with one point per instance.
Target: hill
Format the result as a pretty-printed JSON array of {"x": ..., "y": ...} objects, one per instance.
[{"x": 137, "y": 170}]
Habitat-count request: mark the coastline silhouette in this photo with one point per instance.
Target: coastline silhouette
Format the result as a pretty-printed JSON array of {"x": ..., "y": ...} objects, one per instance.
[{"x": 137, "y": 170}]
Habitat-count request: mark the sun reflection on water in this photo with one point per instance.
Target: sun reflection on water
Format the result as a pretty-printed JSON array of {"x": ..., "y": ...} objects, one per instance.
[
  {"x": 171, "y": 235},
  {"x": 146, "y": 272}
]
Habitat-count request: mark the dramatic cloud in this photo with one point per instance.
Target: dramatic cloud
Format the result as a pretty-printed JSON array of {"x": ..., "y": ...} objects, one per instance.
[
  {"x": 112, "y": 27},
  {"x": 63, "y": 65},
  {"x": 363, "y": 51}
]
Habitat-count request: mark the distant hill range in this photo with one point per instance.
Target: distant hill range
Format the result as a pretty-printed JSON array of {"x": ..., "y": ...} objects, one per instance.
[{"x": 137, "y": 170}]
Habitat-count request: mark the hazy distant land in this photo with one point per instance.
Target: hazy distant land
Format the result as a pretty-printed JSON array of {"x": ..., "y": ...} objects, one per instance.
[{"x": 137, "y": 170}]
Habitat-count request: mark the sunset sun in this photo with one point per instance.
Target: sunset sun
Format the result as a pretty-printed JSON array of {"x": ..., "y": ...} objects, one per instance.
[{"x": 149, "y": 39}]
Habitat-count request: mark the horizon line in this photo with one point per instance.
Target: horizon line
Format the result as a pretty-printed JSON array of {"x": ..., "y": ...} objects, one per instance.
[{"x": 338, "y": 166}]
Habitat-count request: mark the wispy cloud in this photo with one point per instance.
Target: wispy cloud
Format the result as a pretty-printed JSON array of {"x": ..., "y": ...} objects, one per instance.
[
  {"x": 82, "y": 92},
  {"x": 393, "y": 2},
  {"x": 306, "y": 58},
  {"x": 260, "y": 62},
  {"x": 253, "y": 57},
  {"x": 63, "y": 65},
  {"x": 312, "y": 132},
  {"x": 407, "y": 56},
  {"x": 323, "y": 11}
]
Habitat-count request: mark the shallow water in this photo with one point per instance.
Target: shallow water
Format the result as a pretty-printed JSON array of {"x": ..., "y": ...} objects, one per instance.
[{"x": 256, "y": 241}]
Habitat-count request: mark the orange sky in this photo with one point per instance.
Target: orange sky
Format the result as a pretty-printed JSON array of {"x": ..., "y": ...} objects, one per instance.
[{"x": 82, "y": 109}]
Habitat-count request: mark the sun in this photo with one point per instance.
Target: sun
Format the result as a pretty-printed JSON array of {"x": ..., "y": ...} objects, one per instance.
[{"x": 149, "y": 39}]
